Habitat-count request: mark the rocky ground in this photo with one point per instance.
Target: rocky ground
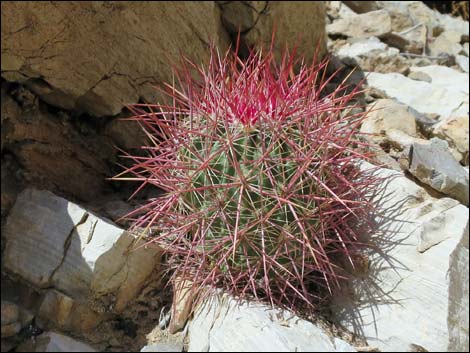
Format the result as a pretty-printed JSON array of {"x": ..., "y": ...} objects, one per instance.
[{"x": 72, "y": 279}]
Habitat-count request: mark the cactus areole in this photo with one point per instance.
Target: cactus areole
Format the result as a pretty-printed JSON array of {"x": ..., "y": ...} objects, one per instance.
[{"x": 259, "y": 167}]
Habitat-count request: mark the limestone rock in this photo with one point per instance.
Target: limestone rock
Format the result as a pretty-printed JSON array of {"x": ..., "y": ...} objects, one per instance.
[
  {"x": 52, "y": 242},
  {"x": 420, "y": 76},
  {"x": 222, "y": 324},
  {"x": 182, "y": 307},
  {"x": 370, "y": 24},
  {"x": 434, "y": 165},
  {"x": 10, "y": 312},
  {"x": 407, "y": 299},
  {"x": 385, "y": 117},
  {"x": 290, "y": 18},
  {"x": 463, "y": 62},
  {"x": 370, "y": 54},
  {"x": 54, "y": 342},
  {"x": 455, "y": 130},
  {"x": 338, "y": 9},
  {"x": 96, "y": 57},
  {"x": 60, "y": 311},
  {"x": 52, "y": 153},
  {"x": 458, "y": 297},
  {"x": 163, "y": 347},
  {"x": 422, "y": 96},
  {"x": 445, "y": 77}
]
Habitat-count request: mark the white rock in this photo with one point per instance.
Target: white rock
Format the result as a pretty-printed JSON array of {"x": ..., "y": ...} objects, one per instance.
[
  {"x": 361, "y": 47},
  {"x": 337, "y": 9},
  {"x": 223, "y": 325},
  {"x": 455, "y": 130},
  {"x": 163, "y": 347},
  {"x": 370, "y": 54},
  {"x": 445, "y": 77},
  {"x": 462, "y": 61},
  {"x": 422, "y": 96},
  {"x": 459, "y": 297},
  {"x": 54, "y": 342},
  {"x": 455, "y": 24},
  {"x": 407, "y": 299},
  {"x": 52, "y": 242},
  {"x": 370, "y": 24},
  {"x": 387, "y": 116},
  {"x": 434, "y": 165}
]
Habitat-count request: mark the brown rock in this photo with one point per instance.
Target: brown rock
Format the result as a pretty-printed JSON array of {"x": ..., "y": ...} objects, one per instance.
[
  {"x": 10, "y": 312},
  {"x": 96, "y": 57},
  {"x": 300, "y": 23},
  {"x": 183, "y": 299},
  {"x": 370, "y": 24},
  {"x": 58, "y": 310}
]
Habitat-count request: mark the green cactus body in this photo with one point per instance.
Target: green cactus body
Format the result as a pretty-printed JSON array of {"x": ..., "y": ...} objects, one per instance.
[{"x": 208, "y": 189}]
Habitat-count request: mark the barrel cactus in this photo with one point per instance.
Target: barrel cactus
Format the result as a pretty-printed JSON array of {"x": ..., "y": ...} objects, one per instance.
[{"x": 263, "y": 192}]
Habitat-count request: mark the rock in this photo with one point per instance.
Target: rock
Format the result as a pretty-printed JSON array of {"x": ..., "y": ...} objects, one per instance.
[
  {"x": 424, "y": 97},
  {"x": 406, "y": 300},
  {"x": 420, "y": 76},
  {"x": 60, "y": 311},
  {"x": 403, "y": 43},
  {"x": 370, "y": 24},
  {"x": 387, "y": 116},
  {"x": 462, "y": 61},
  {"x": 52, "y": 153},
  {"x": 182, "y": 306},
  {"x": 52, "y": 242},
  {"x": 433, "y": 165},
  {"x": 454, "y": 24},
  {"x": 163, "y": 347},
  {"x": 223, "y": 324},
  {"x": 458, "y": 297},
  {"x": 338, "y": 9},
  {"x": 363, "y": 6},
  {"x": 465, "y": 49},
  {"x": 447, "y": 42},
  {"x": 53, "y": 342},
  {"x": 289, "y": 18},
  {"x": 370, "y": 54},
  {"x": 455, "y": 131},
  {"x": 48, "y": 47},
  {"x": 445, "y": 78},
  {"x": 10, "y": 329},
  {"x": 126, "y": 134},
  {"x": 10, "y": 312}
]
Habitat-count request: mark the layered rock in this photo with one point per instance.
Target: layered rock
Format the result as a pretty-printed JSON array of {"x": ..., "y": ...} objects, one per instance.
[
  {"x": 406, "y": 298},
  {"x": 97, "y": 57},
  {"x": 223, "y": 324},
  {"x": 87, "y": 264}
]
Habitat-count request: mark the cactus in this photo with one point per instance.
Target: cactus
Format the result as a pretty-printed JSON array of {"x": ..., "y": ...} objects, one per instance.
[{"x": 263, "y": 191}]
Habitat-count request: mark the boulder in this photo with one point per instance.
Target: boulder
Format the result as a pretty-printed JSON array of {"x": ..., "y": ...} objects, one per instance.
[
  {"x": 445, "y": 77},
  {"x": 55, "y": 244},
  {"x": 96, "y": 57},
  {"x": 54, "y": 151},
  {"x": 408, "y": 299},
  {"x": 442, "y": 99},
  {"x": 434, "y": 165},
  {"x": 370, "y": 54},
  {"x": 455, "y": 130},
  {"x": 370, "y": 24},
  {"x": 385, "y": 117},
  {"x": 221, "y": 324},
  {"x": 258, "y": 19}
]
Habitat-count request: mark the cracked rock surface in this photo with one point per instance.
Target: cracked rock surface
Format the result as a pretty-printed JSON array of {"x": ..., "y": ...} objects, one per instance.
[
  {"x": 96, "y": 57},
  {"x": 53, "y": 243}
]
